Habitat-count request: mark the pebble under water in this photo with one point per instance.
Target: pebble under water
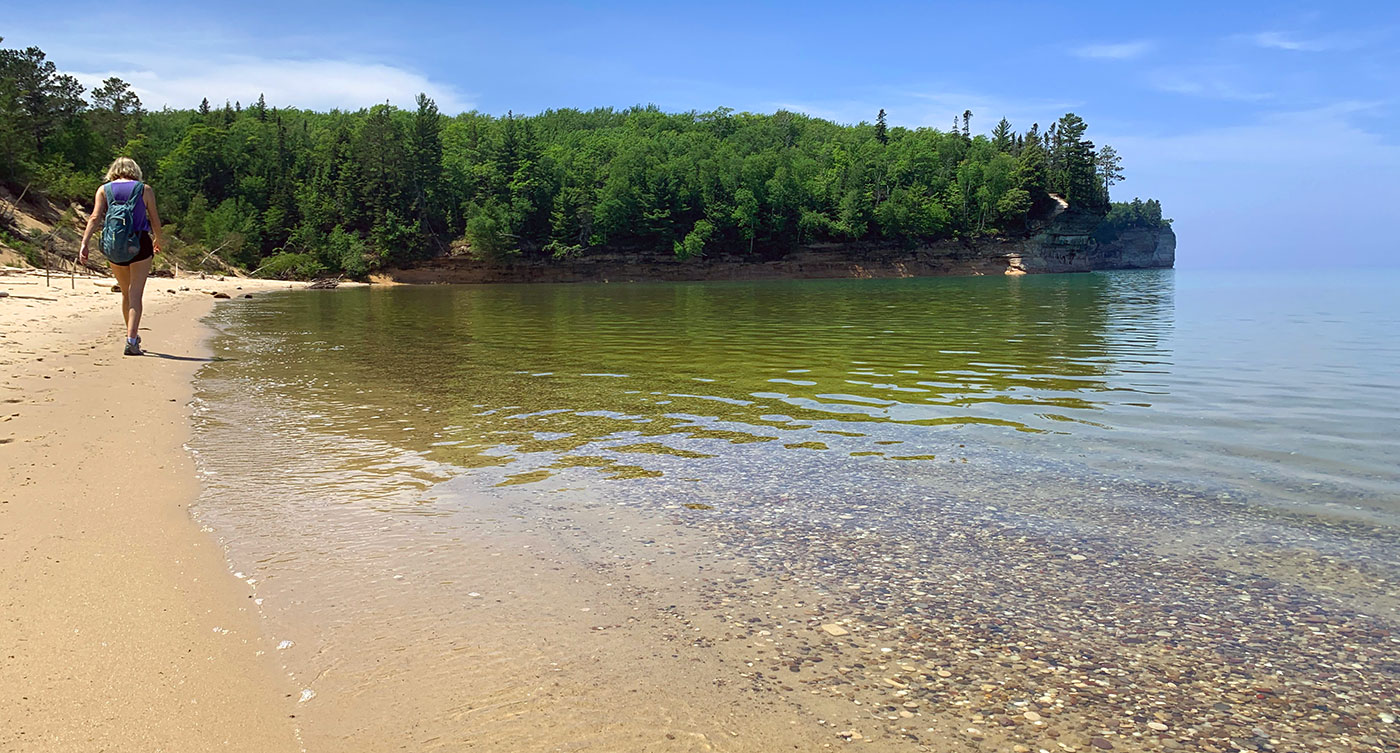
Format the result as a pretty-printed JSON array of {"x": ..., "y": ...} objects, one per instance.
[{"x": 910, "y": 515}]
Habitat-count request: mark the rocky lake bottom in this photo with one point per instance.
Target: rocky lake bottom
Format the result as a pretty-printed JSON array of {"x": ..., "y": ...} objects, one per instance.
[{"x": 544, "y": 563}]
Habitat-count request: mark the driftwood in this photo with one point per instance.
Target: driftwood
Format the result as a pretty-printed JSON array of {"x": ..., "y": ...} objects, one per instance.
[
  {"x": 324, "y": 283},
  {"x": 9, "y": 208},
  {"x": 223, "y": 265}
]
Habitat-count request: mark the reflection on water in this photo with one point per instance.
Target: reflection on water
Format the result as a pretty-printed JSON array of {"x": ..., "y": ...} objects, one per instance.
[{"x": 539, "y": 378}]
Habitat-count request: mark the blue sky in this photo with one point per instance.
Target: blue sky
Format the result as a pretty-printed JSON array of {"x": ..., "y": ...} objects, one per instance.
[{"x": 1267, "y": 129}]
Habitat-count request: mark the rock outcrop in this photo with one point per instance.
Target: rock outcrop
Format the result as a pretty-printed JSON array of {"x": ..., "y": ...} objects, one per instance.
[
  {"x": 1067, "y": 244},
  {"x": 1136, "y": 248},
  {"x": 1064, "y": 243}
]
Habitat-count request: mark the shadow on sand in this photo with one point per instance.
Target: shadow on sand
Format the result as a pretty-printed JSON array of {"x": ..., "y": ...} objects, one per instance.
[{"x": 168, "y": 356}]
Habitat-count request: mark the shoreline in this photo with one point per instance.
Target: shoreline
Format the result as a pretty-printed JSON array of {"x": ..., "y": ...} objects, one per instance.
[
  {"x": 123, "y": 627},
  {"x": 1063, "y": 247}
]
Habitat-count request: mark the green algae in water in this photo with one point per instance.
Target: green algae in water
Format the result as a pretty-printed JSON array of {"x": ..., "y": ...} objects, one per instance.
[{"x": 1156, "y": 379}]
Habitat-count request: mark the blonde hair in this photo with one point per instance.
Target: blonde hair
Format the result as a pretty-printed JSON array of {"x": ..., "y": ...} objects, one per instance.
[{"x": 124, "y": 167}]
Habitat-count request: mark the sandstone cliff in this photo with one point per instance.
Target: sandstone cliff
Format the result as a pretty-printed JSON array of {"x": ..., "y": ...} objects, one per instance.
[{"x": 1064, "y": 243}]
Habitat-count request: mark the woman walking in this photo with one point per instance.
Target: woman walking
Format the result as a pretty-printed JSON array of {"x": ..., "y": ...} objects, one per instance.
[{"x": 123, "y": 181}]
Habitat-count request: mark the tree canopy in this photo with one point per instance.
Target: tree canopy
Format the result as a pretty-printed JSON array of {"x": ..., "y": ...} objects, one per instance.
[{"x": 293, "y": 191}]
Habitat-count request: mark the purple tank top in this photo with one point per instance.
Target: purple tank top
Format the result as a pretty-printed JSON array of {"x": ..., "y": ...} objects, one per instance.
[{"x": 121, "y": 192}]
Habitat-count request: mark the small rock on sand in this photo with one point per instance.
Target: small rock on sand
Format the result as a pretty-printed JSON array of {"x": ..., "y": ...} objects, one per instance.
[{"x": 836, "y": 630}]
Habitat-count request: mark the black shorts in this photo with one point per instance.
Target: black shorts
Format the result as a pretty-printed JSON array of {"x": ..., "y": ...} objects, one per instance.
[{"x": 148, "y": 250}]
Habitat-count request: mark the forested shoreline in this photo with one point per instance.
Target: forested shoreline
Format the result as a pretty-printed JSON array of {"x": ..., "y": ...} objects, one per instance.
[{"x": 285, "y": 192}]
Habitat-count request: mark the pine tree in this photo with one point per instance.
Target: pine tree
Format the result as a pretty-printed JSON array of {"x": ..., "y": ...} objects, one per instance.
[
  {"x": 881, "y": 134},
  {"x": 115, "y": 109},
  {"x": 1110, "y": 169},
  {"x": 1002, "y": 136},
  {"x": 425, "y": 164},
  {"x": 1073, "y": 168}
]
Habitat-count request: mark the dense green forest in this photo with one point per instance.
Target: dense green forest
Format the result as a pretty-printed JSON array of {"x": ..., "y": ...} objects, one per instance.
[{"x": 290, "y": 192}]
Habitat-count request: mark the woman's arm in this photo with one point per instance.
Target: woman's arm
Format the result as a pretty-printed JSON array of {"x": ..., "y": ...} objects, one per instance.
[
  {"x": 99, "y": 210},
  {"x": 153, "y": 216}
]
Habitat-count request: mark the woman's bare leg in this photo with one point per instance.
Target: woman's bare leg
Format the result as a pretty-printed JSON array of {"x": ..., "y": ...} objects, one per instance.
[
  {"x": 134, "y": 289},
  {"x": 123, "y": 275}
]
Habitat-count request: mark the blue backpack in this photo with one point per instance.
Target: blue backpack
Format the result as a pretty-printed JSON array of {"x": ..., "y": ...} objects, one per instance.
[{"x": 120, "y": 240}]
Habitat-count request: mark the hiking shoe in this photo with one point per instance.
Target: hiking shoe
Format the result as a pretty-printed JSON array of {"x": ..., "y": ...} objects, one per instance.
[{"x": 133, "y": 348}]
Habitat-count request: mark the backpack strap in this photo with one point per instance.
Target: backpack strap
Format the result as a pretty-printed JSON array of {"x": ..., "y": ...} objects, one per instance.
[{"x": 137, "y": 190}]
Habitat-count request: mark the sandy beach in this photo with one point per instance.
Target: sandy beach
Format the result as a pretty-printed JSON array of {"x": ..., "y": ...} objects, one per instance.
[{"x": 121, "y": 627}]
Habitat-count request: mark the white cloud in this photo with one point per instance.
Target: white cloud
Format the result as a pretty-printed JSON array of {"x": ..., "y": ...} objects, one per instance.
[
  {"x": 1320, "y": 136},
  {"x": 1300, "y": 188},
  {"x": 1209, "y": 81},
  {"x": 1282, "y": 40},
  {"x": 937, "y": 109},
  {"x": 836, "y": 112},
  {"x": 1115, "y": 51},
  {"x": 306, "y": 84}
]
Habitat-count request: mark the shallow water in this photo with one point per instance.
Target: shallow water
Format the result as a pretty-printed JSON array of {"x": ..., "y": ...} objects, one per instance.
[{"x": 892, "y": 455}]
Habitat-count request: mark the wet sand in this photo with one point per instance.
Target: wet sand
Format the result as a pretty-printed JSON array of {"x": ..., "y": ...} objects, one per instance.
[{"x": 120, "y": 626}]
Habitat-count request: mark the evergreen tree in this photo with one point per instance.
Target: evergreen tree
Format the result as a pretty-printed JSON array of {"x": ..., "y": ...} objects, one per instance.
[
  {"x": 880, "y": 133},
  {"x": 115, "y": 108},
  {"x": 43, "y": 101},
  {"x": 1002, "y": 136},
  {"x": 425, "y": 164},
  {"x": 1074, "y": 174},
  {"x": 1110, "y": 168}
]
